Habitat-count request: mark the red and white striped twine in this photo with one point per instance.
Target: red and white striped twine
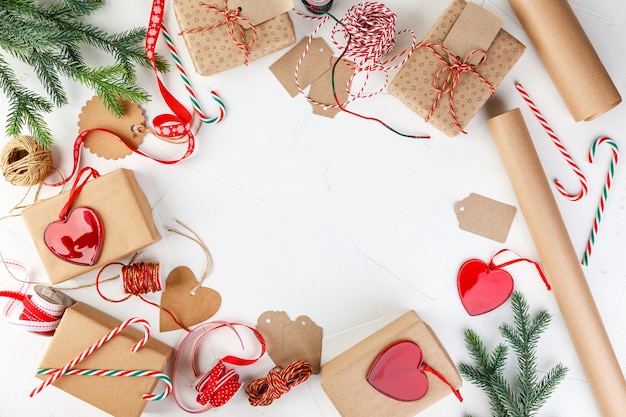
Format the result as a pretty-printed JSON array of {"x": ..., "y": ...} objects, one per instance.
[
  {"x": 557, "y": 142},
  {"x": 366, "y": 35}
]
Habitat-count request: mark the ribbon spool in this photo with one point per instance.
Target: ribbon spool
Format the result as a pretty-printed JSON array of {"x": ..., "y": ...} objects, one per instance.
[
  {"x": 41, "y": 311},
  {"x": 215, "y": 387},
  {"x": 137, "y": 279},
  {"x": 317, "y": 6},
  {"x": 24, "y": 161}
]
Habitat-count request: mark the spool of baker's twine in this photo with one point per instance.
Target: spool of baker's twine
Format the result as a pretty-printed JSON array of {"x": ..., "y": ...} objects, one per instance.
[
  {"x": 24, "y": 161},
  {"x": 318, "y": 6}
]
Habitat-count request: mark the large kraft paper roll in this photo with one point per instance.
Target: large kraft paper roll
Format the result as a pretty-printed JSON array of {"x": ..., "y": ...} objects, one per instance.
[
  {"x": 560, "y": 262},
  {"x": 569, "y": 57}
]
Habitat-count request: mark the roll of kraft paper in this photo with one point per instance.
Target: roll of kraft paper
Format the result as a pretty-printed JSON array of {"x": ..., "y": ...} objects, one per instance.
[
  {"x": 560, "y": 262},
  {"x": 569, "y": 57}
]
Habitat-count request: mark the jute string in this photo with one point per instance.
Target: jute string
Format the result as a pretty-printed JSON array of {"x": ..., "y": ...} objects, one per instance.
[{"x": 24, "y": 161}]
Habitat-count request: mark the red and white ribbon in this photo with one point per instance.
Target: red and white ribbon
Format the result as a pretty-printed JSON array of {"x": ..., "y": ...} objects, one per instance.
[
  {"x": 219, "y": 384},
  {"x": 41, "y": 311},
  {"x": 179, "y": 123}
]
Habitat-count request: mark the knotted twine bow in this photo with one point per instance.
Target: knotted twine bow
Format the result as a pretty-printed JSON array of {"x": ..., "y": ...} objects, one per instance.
[
  {"x": 454, "y": 67},
  {"x": 235, "y": 25}
]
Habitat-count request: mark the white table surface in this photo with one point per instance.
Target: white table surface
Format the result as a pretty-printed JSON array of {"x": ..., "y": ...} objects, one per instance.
[{"x": 340, "y": 219}]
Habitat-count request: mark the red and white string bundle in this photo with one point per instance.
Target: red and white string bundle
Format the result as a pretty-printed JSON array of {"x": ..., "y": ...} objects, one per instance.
[{"x": 366, "y": 36}]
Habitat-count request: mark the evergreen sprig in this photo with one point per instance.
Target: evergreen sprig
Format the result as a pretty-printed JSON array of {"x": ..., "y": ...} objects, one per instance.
[
  {"x": 530, "y": 392},
  {"x": 51, "y": 39}
]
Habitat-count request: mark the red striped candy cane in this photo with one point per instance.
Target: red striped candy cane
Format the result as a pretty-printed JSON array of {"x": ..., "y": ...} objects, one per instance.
[
  {"x": 190, "y": 91},
  {"x": 109, "y": 372},
  {"x": 605, "y": 191},
  {"x": 557, "y": 142},
  {"x": 117, "y": 330}
]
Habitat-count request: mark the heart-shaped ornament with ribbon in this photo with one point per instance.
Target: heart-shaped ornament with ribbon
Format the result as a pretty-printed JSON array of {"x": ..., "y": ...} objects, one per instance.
[
  {"x": 483, "y": 288},
  {"x": 398, "y": 372},
  {"x": 77, "y": 238},
  {"x": 189, "y": 309}
]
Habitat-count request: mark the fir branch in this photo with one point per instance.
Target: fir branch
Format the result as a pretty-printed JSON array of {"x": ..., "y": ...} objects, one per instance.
[
  {"x": 49, "y": 38},
  {"x": 25, "y": 107},
  {"x": 530, "y": 393}
]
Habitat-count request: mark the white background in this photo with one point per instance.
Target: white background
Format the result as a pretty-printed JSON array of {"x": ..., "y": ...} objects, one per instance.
[{"x": 340, "y": 219}]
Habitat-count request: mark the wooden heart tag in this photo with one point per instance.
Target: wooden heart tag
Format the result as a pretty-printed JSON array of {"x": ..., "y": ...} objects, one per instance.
[{"x": 188, "y": 309}]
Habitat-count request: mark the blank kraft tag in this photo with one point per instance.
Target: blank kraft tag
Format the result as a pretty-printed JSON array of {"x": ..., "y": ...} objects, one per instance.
[
  {"x": 258, "y": 12},
  {"x": 475, "y": 29},
  {"x": 485, "y": 217},
  {"x": 288, "y": 341}
]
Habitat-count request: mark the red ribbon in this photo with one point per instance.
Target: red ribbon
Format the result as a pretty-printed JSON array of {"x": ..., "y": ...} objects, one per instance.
[
  {"x": 32, "y": 313},
  {"x": 76, "y": 188},
  {"x": 493, "y": 266},
  {"x": 166, "y": 125},
  {"x": 234, "y": 25},
  {"x": 454, "y": 67},
  {"x": 218, "y": 385}
]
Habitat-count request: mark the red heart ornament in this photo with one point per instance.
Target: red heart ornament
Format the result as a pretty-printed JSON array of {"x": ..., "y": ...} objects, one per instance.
[
  {"x": 398, "y": 372},
  {"x": 78, "y": 238},
  {"x": 483, "y": 288}
]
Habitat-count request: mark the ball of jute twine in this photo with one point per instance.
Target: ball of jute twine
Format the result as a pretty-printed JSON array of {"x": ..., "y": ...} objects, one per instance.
[{"x": 24, "y": 161}]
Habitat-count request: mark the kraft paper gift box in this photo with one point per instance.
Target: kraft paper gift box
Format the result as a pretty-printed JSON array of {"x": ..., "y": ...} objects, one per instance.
[
  {"x": 344, "y": 378},
  {"x": 462, "y": 28},
  {"x": 81, "y": 327},
  {"x": 208, "y": 34},
  {"x": 126, "y": 216}
]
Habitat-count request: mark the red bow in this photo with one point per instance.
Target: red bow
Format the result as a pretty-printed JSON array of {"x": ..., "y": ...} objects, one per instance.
[
  {"x": 234, "y": 24},
  {"x": 453, "y": 65}
]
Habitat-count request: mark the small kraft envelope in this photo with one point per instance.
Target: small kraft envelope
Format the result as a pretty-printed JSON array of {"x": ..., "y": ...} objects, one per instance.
[
  {"x": 465, "y": 36},
  {"x": 126, "y": 217},
  {"x": 358, "y": 389},
  {"x": 81, "y": 327},
  {"x": 212, "y": 31}
]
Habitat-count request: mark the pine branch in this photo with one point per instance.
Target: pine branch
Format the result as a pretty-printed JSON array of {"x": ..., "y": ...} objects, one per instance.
[
  {"x": 25, "y": 107},
  {"x": 49, "y": 38},
  {"x": 530, "y": 392}
]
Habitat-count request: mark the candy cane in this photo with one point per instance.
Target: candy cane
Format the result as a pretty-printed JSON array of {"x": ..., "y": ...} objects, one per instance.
[
  {"x": 192, "y": 95},
  {"x": 605, "y": 191},
  {"x": 117, "y": 330},
  {"x": 109, "y": 372},
  {"x": 560, "y": 147}
]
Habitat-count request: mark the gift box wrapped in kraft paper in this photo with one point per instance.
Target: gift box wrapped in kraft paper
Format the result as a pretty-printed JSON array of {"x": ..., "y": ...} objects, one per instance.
[
  {"x": 387, "y": 374},
  {"x": 466, "y": 54},
  {"x": 222, "y": 34},
  {"x": 126, "y": 218},
  {"x": 81, "y": 327}
]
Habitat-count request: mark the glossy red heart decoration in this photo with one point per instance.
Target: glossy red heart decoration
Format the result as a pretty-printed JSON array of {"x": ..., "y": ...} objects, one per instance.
[
  {"x": 78, "y": 238},
  {"x": 482, "y": 288},
  {"x": 398, "y": 373}
]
